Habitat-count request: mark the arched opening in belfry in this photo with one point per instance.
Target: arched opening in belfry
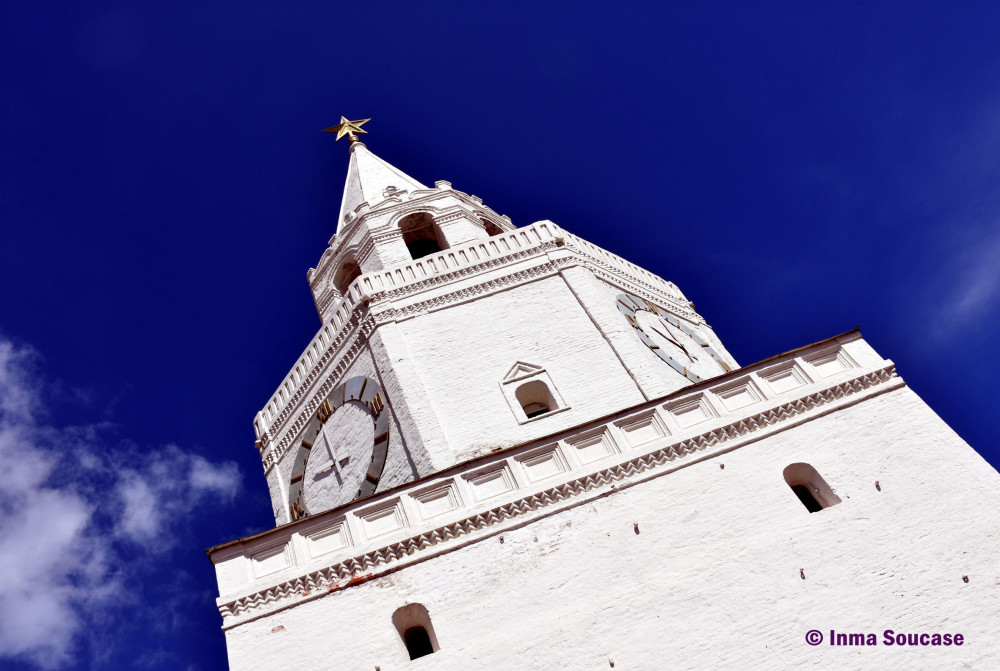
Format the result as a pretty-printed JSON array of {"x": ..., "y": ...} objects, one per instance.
[
  {"x": 810, "y": 487},
  {"x": 348, "y": 272},
  {"x": 413, "y": 623},
  {"x": 422, "y": 235},
  {"x": 491, "y": 228},
  {"x": 535, "y": 398}
]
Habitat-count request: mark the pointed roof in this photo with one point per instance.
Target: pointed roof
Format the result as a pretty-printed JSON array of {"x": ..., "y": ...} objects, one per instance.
[{"x": 368, "y": 177}]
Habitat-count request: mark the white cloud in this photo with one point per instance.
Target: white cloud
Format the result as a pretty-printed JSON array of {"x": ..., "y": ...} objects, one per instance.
[
  {"x": 166, "y": 485},
  {"x": 140, "y": 520},
  {"x": 960, "y": 294},
  {"x": 62, "y": 539},
  {"x": 977, "y": 281},
  {"x": 223, "y": 480}
]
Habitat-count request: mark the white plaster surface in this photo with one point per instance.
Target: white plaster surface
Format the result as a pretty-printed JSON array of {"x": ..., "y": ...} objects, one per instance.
[
  {"x": 377, "y": 300},
  {"x": 694, "y": 421},
  {"x": 712, "y": 579},
  {"x": 645, "y": 524},
  {"x": 463, "y": 353}
]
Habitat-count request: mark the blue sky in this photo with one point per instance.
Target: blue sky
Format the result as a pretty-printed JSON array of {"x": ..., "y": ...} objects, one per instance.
[{"x": 795, "y": 168}]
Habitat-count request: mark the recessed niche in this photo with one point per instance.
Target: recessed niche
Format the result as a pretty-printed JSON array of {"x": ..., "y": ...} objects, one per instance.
[
  {"x": 785, "y": 378},
  {"x": 382, "y": 519},
  {"x": 330, "y": 538},
  {"x": 739, "y": 394},
  {"x": 437, "y": 500},
  {"x": 491, "y": 482},
  {"x": 642, "y": 428},
  {"x": 593, "y": 446},
  {"x": 691, "y": 411},
  {"x": 271, "y": 560},
  {"x": 543, "y": 463},
  {"x": 830, "y": 361}
]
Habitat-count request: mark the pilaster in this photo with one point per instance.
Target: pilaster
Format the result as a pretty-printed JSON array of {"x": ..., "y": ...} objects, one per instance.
[{"x": 421, "y": 428}]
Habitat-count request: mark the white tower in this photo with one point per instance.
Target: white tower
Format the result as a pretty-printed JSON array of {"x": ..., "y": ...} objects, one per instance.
[{"x": 468, "y": 460}]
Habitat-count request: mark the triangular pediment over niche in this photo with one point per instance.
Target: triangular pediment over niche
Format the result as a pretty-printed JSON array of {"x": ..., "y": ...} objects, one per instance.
[{"x": 521, "y": 370}]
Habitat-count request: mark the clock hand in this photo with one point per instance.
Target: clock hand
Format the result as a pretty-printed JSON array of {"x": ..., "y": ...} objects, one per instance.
[
  {"x": 672, "y": 341},
  {"x": 331, "y": 462}
]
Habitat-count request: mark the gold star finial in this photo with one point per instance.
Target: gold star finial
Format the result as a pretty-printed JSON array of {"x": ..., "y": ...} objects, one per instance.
[{"x": 348, "y": 128}]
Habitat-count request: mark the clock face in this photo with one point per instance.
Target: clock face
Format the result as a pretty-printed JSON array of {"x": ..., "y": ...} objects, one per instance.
[
  {"x": 346, "y": 455},
  {"x": 672, "y": 340}
]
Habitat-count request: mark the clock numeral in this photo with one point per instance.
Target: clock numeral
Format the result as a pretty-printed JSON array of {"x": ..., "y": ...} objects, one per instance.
[
  {"x": 376, "y": 405},
  {"x": 632, "y": 320},
  {"x": 298, "y": 512},
  {"x": 324, "y": 410}
]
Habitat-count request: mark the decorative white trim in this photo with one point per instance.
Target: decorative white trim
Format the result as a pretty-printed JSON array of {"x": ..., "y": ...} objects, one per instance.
[
  {"x": 520, "y": 371},
  {"x": 593, "y": 446},
  {"x": 543, "y": 463},
  {"x": 739, "y": 394},
  {"x": 382, "y": 518},
  {"x": 330, "y": 538},
  {"x": 491, "y": 481},
  {"x": 393, "y": 284},
  {"x": 691, "y": 411},
  {"x": 522, "y": 374},
  {"x": 270, "y": 559},
  {"x": 642, "y": 428},
  {"x": 830, "y": 361},
  {"x": 356, "y": 568},
  {"x": 437, "y": 500},
  {"x": 785, "y": 378}
]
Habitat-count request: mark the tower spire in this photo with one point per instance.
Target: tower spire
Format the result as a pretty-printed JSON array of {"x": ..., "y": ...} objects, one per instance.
[
  {"x": 349, "y": 128},
  {"x": 369, "y": 179}
]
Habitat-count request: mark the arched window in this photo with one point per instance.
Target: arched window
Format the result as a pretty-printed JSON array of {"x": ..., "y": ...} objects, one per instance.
[
  {"x": 535, "y": 398},
  {"x": 348, "y": 272},
  {"x": 421, "y": 235},
  {"x": 810, "y": 487},
  {"x": 418, "y": 642},
  {"x": 414, "y": 626},
  {"x": 491, "y": 228}
]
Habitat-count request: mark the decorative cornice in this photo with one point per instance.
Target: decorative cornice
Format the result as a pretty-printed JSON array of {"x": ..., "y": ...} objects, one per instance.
[
  {"x": 460, "y": 273},
  {"x": 549, "y": 267},
  {"x": 321, "y": 280},
  {"x": 359, "y": 568},
  {"x": 362, "y": 329},
  {"x": 607, "y": 270},
  {"x": 546, "y": 237}
]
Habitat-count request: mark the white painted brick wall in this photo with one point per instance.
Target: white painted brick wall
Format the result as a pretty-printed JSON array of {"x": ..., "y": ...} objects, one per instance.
[
  {"x": 463, "y": 352},
  {"x": 712, "y": 579}
]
